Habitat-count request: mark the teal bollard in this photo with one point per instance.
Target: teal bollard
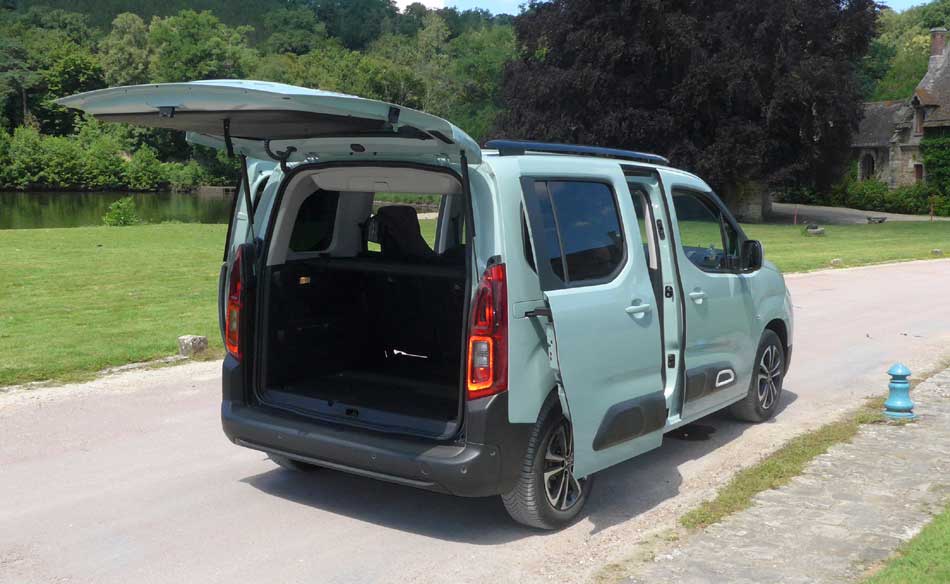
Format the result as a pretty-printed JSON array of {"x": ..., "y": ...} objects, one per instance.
[{"x": 899, "y": 405}]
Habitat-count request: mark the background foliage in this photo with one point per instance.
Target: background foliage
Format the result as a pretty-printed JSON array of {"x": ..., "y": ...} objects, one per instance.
[
  {"x": 445, "y": 61},
  {"x": 740, "y": 92}
]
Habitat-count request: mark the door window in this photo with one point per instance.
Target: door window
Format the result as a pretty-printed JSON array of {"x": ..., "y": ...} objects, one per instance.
[
  {"x": 707, "y": 238},
  {"x": 582, "y": 239}
]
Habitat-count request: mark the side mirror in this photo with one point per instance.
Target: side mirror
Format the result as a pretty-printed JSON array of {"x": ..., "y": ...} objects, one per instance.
[{"x": 750, "y": 256}]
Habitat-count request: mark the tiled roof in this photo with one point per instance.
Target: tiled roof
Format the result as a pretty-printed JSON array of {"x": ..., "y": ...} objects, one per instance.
[{"x": 877, "y": 127}]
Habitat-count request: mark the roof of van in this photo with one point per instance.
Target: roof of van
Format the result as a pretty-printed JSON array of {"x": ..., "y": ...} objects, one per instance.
[
  {"x": 491, "y": 149},
  {"x": 520, "y": 147}
]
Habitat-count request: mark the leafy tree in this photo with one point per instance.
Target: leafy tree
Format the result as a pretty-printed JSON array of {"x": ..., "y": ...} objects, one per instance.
[
  {"x": 739, "y": 91},
  {"x": 17, "y": 78},
  {"x": 477, "y": 62},
  {"x": 124, "y": 51},
  {"x": 196, "y": 45},
  {"x": 72, "y": 70},
  {"x": 74, "y": 26},
  {"x": 411, "y": 19},
  {"x": 356, "y": 23},
  {"x": 293, "y": 30}
]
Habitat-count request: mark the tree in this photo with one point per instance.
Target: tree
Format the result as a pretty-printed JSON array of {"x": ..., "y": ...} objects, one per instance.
[
  {"x": 293, "y": 30},
  {"x": 124, "y": 51},
  {"x": 356, "y": 23},
  {"x": 196, "y": 45},
  {"x": 740, "y": 91},
  {"x": 17, "y": 78}
]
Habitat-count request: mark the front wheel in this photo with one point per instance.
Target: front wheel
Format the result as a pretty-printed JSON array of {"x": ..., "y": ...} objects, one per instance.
[
  {"x": 548, "y": 495},
  {"x": 765, "y": 389}
]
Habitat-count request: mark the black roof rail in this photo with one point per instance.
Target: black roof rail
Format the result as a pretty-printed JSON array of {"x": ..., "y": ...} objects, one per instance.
[{"x": 517, "y": 147}]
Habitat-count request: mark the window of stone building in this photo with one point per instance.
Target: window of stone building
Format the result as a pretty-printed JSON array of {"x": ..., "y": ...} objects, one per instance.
[{"x": 918, "y": 173}]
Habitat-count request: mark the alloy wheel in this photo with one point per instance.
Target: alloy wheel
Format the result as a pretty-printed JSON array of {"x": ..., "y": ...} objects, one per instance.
[
  {"x": 769, "y": 376},
  {"x": 562, "y": 489}
]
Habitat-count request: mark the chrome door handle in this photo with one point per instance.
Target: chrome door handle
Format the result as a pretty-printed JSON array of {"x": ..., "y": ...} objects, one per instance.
[
  {"x": 697, "y": 296},
  {"x": 638, "y": 309}
]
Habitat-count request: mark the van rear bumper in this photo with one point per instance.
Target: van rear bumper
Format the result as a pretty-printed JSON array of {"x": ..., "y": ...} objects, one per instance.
[{"x": 469, "y": 469}]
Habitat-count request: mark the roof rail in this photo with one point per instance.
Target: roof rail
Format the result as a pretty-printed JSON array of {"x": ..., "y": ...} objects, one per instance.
[{"x": 517, "y": 147}]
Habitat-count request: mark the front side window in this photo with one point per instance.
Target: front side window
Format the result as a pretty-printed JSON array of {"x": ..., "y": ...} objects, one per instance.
[
  {"x": 582, "y": 238},
  {"x": 707, "y": 238}
]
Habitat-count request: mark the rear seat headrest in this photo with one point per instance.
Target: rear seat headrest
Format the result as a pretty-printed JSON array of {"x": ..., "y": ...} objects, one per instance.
[{"x": 399, "y": 233}]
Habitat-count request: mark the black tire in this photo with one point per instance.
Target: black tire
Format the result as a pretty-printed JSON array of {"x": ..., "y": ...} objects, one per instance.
[
  {"x": 291, "y": 464},
  {"x": 529, "y": 503},
  {"x": 765, "y": 388}
]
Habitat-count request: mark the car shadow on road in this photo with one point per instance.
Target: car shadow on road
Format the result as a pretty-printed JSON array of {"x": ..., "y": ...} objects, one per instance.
[{"x": 620, "y": 493}]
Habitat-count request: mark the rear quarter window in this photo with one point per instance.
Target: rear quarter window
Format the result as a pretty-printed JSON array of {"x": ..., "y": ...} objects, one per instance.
[
  {"x": 582, "y": 236},
  {"x": 313, "y": 229}
]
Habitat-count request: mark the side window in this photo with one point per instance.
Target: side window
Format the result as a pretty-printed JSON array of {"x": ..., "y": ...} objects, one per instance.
[
  {"x": 582, "y": 233},
  {"x": 708, "y": 240},
  {"x": 313, "y": 229}
]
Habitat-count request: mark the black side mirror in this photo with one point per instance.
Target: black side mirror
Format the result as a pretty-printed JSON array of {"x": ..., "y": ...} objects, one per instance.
[{"x": 750, "y": 256}]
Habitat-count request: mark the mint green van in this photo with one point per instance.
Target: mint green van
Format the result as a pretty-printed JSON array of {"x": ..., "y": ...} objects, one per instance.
[{"x": 577, "y": 304}]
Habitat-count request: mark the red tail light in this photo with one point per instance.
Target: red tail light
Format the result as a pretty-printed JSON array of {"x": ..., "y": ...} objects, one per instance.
[
  {"x": 232, "y": 314},
  {"x": 487, "y": 371}
]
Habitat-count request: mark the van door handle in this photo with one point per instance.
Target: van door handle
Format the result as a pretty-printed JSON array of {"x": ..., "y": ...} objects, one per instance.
[
  {"x": 697, "y": 296},
  {"x": 636, "y": 309}
]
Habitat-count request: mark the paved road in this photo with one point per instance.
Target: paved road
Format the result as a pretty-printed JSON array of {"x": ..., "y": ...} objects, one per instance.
[
  {"x": 129, "y": 478},
  {"x": 786, "y": 213}
]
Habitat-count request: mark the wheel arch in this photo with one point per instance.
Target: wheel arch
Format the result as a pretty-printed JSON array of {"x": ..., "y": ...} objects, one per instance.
[{"x": 778, "y": 326}]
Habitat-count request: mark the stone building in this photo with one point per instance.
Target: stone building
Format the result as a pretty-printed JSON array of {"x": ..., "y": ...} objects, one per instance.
[{"x": 887, "y": 145}]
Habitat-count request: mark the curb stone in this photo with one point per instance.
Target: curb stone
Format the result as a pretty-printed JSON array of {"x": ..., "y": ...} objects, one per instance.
[{"x": 848, "y": 511}]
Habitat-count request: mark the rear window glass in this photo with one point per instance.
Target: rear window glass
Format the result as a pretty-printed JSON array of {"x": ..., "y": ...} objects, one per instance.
[
  {"x": 581, "y": 224},
  {"x": 313, "y": 230}
]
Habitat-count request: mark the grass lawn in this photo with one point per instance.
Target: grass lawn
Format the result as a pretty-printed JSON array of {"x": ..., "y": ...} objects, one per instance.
[
  {"x": 74, "y": 301},
  {"x": 924, "y": 559},
  {"x": 855, "y": 245}
]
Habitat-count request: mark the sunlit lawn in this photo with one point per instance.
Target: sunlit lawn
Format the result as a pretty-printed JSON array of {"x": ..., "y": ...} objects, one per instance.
[{"x": 75, "y": 301}]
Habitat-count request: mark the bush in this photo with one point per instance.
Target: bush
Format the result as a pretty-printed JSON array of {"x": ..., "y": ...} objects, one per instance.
[
  {"x": 186, "y": 176},
  {"x": 4, "y": 159},
  {"x": 144, "y": 171},
  {"x": 121, "y": 213}
]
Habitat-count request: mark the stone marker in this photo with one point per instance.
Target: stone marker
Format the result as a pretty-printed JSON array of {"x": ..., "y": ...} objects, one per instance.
[
  {"x": 815, "y": 231},
  {"x": 936, "y": 252},
  {"x": 836, "y": 262},
  {"x": 188, "y": 345}
]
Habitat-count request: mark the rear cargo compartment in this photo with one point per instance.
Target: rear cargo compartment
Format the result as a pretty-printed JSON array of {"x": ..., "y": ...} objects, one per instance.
[{"x": 372, "y": 338}]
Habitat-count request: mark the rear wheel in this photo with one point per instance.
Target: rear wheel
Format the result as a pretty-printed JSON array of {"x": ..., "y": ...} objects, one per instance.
[
  {"x": 548, "y": 495},
  {"x": 765, "y": 389},
  {"x": 291, "y": 464}
]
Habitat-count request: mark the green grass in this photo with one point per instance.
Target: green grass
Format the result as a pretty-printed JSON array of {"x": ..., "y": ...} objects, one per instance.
[
  {"x": 75, "y": 301},
  {"x": 780, "y": 467},
  {"x": 855, "y": 245},
  {"x": 924, "y": 559}
]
